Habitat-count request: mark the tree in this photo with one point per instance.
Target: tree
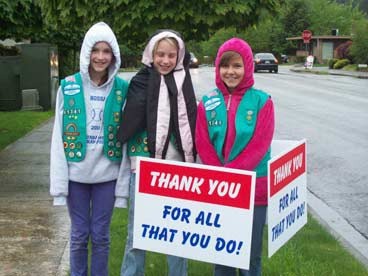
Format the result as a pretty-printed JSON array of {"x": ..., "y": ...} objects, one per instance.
[
  {"x": 359, "y": 48},
  {"x": 326, "y": 16},
  {"x": 19, "y": 19},
  {"x": 134, "y": 20},
  {"x": 295, "y": 17}
]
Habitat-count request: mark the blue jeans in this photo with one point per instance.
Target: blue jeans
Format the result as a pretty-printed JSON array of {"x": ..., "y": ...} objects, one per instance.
[
  {"x": 255, "y": 266},
  {"x": 90, "y": 209},
  {"x": 134, "y": 259}
]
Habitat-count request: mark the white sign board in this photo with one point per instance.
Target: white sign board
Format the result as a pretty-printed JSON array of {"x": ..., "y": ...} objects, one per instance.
[
  {"x": 287, "y": 192},
  {"x": 194, "y": 211}
]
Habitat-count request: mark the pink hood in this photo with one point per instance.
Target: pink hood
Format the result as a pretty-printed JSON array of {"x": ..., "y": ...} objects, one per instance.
[{"x": 242, "y": 48}]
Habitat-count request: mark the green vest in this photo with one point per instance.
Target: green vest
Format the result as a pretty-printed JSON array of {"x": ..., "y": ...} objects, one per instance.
[
  {"x": 74, "y": 119},
  {"x": 245, "y": 122}
]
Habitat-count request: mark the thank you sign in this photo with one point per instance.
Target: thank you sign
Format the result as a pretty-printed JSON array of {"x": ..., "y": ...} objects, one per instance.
[
  {"x": 194, "y": 211},
  {"x": 287, "y": 192}
]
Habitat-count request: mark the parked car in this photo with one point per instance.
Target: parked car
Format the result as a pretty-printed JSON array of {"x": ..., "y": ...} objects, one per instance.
[
  {"x": 194, "y": 62},
  {"x": 266, "y": 61}
]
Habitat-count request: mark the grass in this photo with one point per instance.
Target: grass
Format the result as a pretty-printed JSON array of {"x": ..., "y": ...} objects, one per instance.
[
  {"x": 311, "y": 252},
  {"x": 15, "y": 124}
]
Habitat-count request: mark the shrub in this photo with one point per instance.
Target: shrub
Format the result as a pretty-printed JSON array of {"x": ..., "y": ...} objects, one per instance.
[
  {"x": 343, "y": 50},
  {"x": 341, "y": 63},
  {"x": 332, "y": 62},
  {"x": 9, "y": 50}
]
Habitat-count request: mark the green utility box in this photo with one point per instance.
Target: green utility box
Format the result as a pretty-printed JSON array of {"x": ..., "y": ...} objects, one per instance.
[
  {"x": 40, "y": 71},
  {"x": 10, "y": 96}
]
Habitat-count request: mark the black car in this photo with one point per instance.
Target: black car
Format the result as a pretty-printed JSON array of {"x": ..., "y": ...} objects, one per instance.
[
  {"x": 266, "y": 61},
  {"x": 193, "y": 63}
]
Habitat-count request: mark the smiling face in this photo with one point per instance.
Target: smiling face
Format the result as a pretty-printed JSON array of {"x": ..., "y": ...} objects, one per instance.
[
  {"x": 165, "y": 56},
  {"x": 231, "y": 70},
  {"x": 101, "y": 57}
]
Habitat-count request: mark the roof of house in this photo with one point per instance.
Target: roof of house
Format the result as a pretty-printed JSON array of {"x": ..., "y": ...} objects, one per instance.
[{"x": 331, "y": 37}]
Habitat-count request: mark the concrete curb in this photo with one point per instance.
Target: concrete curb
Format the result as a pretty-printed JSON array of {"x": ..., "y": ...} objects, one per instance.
[
  {"x": 359, "y": 75},
  {"x": 341, "y": 229}
]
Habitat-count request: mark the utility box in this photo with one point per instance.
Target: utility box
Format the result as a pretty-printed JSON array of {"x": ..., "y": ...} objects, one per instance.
[
  {"x": 10, "y": 98},
  {"x": 40, "y": 71}
]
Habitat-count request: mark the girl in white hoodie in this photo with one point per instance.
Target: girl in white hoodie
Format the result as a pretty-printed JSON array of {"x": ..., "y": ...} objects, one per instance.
[{"x": 89, "y": 168}]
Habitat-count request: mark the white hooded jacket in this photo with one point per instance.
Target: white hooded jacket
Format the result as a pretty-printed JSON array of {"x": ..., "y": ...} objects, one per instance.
[{"x": 95, "y": 167}]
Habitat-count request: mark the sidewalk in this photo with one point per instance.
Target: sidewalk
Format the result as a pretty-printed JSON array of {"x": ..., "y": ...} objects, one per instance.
[
  {"x": 325, "y": 70},
  {"x": 33, "y": 233}
]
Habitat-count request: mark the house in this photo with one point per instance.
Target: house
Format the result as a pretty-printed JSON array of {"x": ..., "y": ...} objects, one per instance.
[{"x": 323, "y": 47}]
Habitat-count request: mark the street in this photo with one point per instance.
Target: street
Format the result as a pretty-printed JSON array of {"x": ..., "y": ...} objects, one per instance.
[{"x": 331, "y": 113}]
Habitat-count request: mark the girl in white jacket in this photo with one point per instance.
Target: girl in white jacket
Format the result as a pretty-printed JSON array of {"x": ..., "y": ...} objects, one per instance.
[{"x": 89, "y": 168}]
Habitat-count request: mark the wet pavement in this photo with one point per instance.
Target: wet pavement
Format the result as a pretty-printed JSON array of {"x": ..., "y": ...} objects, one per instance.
[{"x": 33, "y": 233}]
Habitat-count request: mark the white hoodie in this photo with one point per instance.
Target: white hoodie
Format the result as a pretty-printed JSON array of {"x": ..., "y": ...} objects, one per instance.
[{"x": 95, "y": 167}]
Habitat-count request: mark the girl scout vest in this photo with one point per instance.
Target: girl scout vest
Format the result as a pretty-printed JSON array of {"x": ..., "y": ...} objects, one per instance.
[
  {"x": 245, "y": 122},
  {"x": 74, "y": 119}
]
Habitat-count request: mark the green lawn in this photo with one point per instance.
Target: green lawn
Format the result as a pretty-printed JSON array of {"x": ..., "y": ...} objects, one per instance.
[
  {"x": 14, "y": 125},
  {"x": 311, "y": 252}
]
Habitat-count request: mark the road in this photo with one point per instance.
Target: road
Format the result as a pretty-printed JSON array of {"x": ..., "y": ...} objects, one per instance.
[{"x": 331, "y": 113}]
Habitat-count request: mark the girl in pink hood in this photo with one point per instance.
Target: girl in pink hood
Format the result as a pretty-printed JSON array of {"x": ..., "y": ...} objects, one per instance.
[{"x": 234, "y": 129}]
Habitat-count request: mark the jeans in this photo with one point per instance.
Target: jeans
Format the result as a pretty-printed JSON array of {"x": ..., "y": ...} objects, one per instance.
[
  {"x": 134, "y": 259},
  {"x": 255, "y": 266},
  {"x": 90, "y": 209}
]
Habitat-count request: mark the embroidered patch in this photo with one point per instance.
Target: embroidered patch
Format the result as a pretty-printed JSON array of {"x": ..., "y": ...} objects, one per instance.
[
  {"x": 213, "y": 114},
  {"x": 71, "y": 130},
  {"x": 71, "y": 89},
  {"x": 212, "y": 93},
  {"x": 70, "y": 78},
  {"x": 212, "y": 103},
  {"x": 71, "y": 102}
]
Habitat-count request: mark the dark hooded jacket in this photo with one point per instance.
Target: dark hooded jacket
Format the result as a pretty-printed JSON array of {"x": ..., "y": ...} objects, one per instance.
[{"x": 141, "y": 111}]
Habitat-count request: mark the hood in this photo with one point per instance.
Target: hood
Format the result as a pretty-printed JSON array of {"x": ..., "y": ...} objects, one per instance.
[
  {"x": 240, "y": 46},
  {"x": 97, "y": 33},
  {"x": 147, "y": 57}
]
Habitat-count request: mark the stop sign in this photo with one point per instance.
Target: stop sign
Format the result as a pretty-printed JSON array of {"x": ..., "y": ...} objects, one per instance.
[{"x": 306, "y": 35}]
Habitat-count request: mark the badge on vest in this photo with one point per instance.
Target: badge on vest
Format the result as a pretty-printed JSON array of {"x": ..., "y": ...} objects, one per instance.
[
  {"x": 212, "y": 103},
  {"x": 249, "y": 116},
  {"x": 215, "y": 123},
  {"x": 71, "y": 131},
  {"x": 72, "y": 89},
  {"x": 119, "y": 97},
  {"x": 72, "y": 113},
  {"x": 116, "y": 117}
]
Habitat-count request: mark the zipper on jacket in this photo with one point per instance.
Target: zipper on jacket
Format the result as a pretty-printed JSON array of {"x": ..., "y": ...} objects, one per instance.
[{"x": 228, "y": 103}]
